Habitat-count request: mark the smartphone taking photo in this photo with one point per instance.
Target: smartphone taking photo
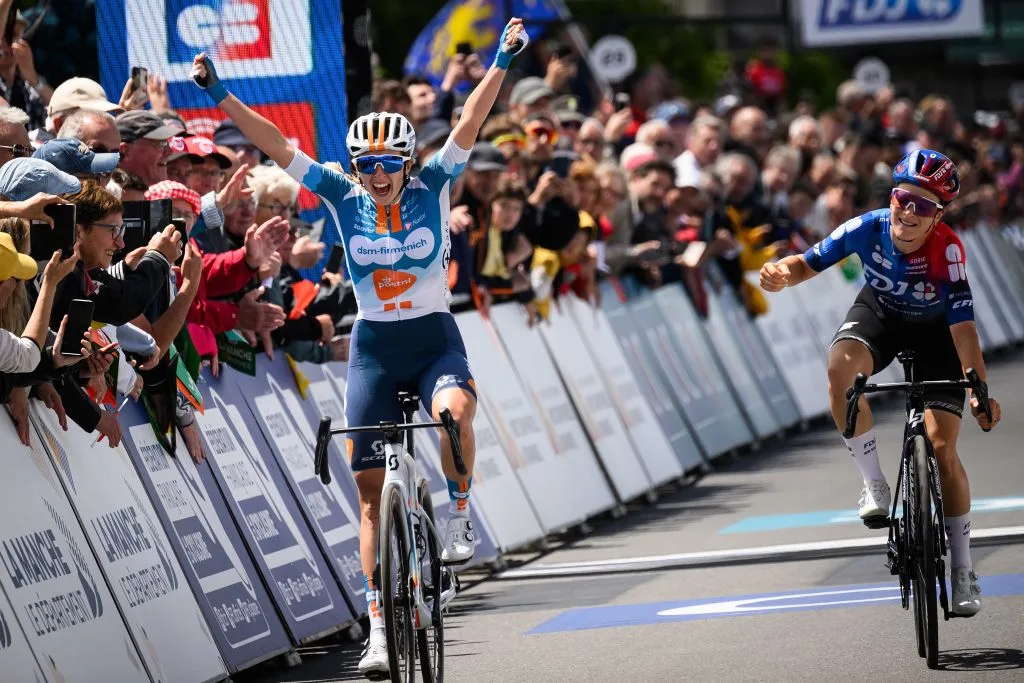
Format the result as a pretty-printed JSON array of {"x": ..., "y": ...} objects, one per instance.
[
  {"x": 61, "y": 237},
  {"x": 79, "y": 319},
  {"x": 335, "y": 259}
]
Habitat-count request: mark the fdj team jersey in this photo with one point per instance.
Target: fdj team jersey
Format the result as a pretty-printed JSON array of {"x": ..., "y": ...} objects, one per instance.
[
  {"x": 397, "y": 255},
  {"x": 919, "y": 286}
]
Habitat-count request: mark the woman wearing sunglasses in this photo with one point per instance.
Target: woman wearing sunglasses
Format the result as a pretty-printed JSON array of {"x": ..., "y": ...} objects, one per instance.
[
  {"x": 917, "y": 298},
  {"x": 394, "y": 228}
]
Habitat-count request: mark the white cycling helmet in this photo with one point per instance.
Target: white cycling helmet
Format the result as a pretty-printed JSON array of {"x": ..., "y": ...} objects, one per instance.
[{"x": 379, "y": 132}]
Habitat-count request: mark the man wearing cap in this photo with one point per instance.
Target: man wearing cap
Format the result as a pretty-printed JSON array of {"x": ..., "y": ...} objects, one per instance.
[
  {"x": 228, "y": 135},
  {"x": 23, "y": 178},
  {"x": 430, "y": 136},
  {"x": 95, "y": 128},
  {"x": 74, "y": 157},
  {"x": 676, "y": 113},
  {"x": 179, "y": 161},
  {"x": 144, "y": 149},
  {"x": 570, "y": 118},
  {"x": 74, "y": 94},
  {"x": 208, "y": 172},
  {"x": 530, "y": 95}
]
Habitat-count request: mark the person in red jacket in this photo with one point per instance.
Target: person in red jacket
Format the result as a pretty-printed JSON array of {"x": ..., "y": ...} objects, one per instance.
[{"x": 226, "y": 274}]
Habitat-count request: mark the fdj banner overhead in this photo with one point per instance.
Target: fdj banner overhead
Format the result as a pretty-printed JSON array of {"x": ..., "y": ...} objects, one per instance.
[
  {"x": 282, "y": 57},
  {"x": 849, "y": 22}
]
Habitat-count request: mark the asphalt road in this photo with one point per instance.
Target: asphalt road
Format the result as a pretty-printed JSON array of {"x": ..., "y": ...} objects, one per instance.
[{"x": 835, "y": 619}]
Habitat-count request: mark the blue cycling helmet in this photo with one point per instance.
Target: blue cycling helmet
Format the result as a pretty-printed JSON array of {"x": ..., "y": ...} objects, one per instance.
[{"x": 931, "y": 171}]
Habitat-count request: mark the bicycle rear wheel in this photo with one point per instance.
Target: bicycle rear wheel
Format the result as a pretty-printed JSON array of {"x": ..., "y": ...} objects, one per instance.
[
  {"x": 923, "y": 577},
  {"x": 431, "y": 640},
  {"x": 396, "y": 594}
]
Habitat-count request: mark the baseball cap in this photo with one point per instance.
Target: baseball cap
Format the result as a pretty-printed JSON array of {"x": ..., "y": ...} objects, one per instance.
[
  {"x": 530, "y": 89},
  {"x": 25, "y": 177},
  {"x": 142, "y": 123},
  {"x": 169, "y": 189},
  {"x": 203, "y": 147},
  {"x": 71, "y": 155},
  {"x": 636, "y": 155},
  {"x": 431, "y": 133},
  {"x": 13, "y": 263},
  {"x": 178, "y": 149},
  {"x": 486, "y": 157},
  {"x": 79, "y": 93},
  {"x": 229, "y": 135},
  {"x": 673, "y": 110},
  {"x": 567, "y": 108}
]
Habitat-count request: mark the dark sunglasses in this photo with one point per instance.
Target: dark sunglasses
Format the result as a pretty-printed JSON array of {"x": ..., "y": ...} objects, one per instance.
[
  {"x": 17, "y": 150},
  {"x": 925, "y": 208},
  {"x": 391, "y": 163}
]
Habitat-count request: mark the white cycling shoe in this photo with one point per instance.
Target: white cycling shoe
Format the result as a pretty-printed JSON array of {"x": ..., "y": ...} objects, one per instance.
[
  {"x": 458, "y": 541},
  {"x": 966, "y": 598},
  {"x": 374, "y": 663},
  {"x": 875, "y": 500}
]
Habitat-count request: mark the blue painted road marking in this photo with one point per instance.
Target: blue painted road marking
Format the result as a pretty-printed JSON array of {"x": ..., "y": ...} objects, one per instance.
[
  {"x": 849, "y": 516},
  {"x": 830, "y": 597}
]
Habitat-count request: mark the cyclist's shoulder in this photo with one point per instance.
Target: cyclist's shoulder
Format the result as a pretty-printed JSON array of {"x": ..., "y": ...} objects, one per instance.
[
  {"x": 445, "y": 165},
  {"x": 863, "y": 228}
]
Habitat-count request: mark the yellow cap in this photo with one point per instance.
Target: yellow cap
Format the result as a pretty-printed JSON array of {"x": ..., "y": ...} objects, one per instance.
[{"x": 14, "y": 264}]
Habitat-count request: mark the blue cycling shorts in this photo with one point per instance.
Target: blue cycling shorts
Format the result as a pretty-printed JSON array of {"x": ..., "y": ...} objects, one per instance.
[{"x": 423, "y": 355}]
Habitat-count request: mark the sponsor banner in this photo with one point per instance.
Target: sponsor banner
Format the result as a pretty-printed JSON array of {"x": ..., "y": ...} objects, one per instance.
[
  {"x": 267, "y": 53},
  {"x": 759, "y": 358},
  {"x": 791, "y": 338},
  {"x": 746, "y": 390},
  {"x": 986, "y": 290},
  {"x": 135, "y": 554},
  {"x": 51, "y": 578},
  {"x": 642, "y": 357},
  {"x": 547, "y": 478},
  {"x": 428, "y": 461},
  {"x": 287, "y": 429},
  {"x": 213, "y": 559},
  {"x": 266, "y": 514},
  {"x": 16, "y": 658},
  {"x": 551, "y": 405},
  {"x": 692, "y": 370},
  {"x": 646, "y": 434},
  {"x": 1009, "y": 273},
  {"x": 854, "y": 22},
  {"x": 597, "y": 412}
]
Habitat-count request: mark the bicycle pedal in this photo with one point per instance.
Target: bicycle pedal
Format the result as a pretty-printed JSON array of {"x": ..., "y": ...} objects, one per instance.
[{"x": 876, "y": 522}]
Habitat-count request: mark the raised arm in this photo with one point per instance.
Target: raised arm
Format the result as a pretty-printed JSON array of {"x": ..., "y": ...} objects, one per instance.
[
  {"x": 259, "y": 130},
  {"x": 478, "y": 106}
]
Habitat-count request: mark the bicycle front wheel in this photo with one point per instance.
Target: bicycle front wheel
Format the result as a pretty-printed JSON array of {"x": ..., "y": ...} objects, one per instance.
[
  {"x": 396, "y": 593},
  {"x": 923, "y": 577},
  {"x": 431, "y": 640}
]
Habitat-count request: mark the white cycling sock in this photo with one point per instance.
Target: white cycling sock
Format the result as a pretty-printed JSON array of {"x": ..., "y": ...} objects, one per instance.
[
  {"x": 865, "y": 456},
  {"x": 958, "y": 531}
]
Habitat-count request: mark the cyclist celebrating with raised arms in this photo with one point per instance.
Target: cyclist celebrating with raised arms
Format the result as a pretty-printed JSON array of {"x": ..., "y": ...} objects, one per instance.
[
  {"x": 395, "y": 231},
  {"x": 917, "y": 298}
]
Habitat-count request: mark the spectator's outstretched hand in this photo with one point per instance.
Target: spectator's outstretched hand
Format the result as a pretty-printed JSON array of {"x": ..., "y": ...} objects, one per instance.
[
  {"x": 262, "y": 241},
  {"x": 257, "y": 316},
  {"x": 59, "y": 359},
  {"x": 193, "y": 444},
  {"x": 191, "y": 267},
  {"x": 31, "y": 209},
  {"x": 17, "y": 406},
  {"x": 156, "y": 87},
  {"x": 25, "y": 61},
  {"x": 234, "y": 188},
  {"x": 460, "y": 219},
  {"x": 617, "y": 125},
  {"x": 167, "y": 243},
  {"x": 58, "y": 268},
  {"x": 270, "y": 269},
  {"x": 306, "y": 253},
  {"x": 51, "y": 399}
]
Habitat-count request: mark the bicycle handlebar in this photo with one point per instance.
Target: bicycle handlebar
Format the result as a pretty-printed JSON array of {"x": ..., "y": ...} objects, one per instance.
[
  {"x": 860, "y": 387},
  {"x": 324, "y": 433}
]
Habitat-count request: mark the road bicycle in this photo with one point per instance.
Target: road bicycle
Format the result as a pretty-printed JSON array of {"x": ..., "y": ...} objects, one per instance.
[
  {"x": 409, "y": 545},
  {"x": 917, "y": 539}
]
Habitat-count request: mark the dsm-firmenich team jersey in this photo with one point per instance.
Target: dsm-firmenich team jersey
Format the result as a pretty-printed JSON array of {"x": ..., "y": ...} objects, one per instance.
[
  {"x": 929, "y": 282},
  {"x": 397, "y": 255}
]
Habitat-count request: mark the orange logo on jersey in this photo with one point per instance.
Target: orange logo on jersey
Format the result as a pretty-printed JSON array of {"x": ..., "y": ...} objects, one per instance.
[{"x": 390, "y": 284}]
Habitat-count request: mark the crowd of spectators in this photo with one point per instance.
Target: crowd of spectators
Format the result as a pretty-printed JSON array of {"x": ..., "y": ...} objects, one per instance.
[{"x": 646, "y": 187}]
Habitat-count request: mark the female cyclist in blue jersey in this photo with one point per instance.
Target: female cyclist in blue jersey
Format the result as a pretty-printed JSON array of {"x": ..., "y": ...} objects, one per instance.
[
  {"x": 917, "y": 298},
  {"x": 395, "y": 231}
]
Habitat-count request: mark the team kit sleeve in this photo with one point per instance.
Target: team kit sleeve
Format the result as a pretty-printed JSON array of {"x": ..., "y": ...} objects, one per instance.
[
  {"x": 314, "y": 176},
  {"x": 955, "y": 289},
  {"x": 445, "y": 166},
  {"x": 840, "y": 244}
]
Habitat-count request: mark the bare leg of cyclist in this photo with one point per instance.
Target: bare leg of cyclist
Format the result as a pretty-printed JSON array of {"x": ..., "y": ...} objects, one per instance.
[
  {"x": 943, "y": 429},
  {"x": 370, "y": 483},
  {"x": 846, "y": 359},
  {"x": 458, "y": 540}
]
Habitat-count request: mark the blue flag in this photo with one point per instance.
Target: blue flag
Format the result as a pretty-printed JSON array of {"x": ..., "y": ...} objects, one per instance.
[{"x": 478, "y": 22}]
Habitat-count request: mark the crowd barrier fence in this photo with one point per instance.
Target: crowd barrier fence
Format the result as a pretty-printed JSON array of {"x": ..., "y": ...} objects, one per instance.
[{"x": 126, "y": 564}]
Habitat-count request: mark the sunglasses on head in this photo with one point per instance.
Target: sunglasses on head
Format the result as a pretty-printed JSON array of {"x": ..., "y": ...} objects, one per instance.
[
  {"x": 390, "y": 163},
  {"x": 918, "y": 205},
  {"x": 17, "y": 150}
]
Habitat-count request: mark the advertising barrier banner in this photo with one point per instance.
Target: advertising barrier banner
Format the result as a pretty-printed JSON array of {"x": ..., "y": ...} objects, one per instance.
[
  {"x": 1008, "y": 275},
  {"x": 16, "y": 658},
  {"x": 51, "y": 578},
  {"x": 546, "y": 477},
  {"x": 643, "y": 355},
  {"x": 854, "y": 22},
  {"x": 552, "y": 406},
  {"x": 639, "y": 420},
  {"x": 596, "y": 410},
  {"x": 986, "y": 292},
  {"x": 146, "y": 579},
  {"x": 202, "y": 533},
  {"x": 297, "y": 576}
]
